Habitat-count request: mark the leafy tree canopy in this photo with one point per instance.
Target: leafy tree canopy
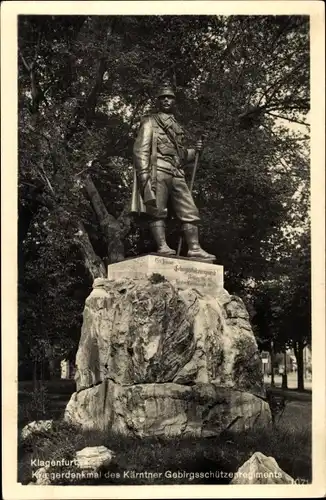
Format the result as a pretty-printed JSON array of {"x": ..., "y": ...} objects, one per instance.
[{"x": 85, "y": 82}]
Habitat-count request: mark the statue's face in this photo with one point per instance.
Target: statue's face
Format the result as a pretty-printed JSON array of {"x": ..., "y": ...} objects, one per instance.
[{"x": 166, "y": 103}]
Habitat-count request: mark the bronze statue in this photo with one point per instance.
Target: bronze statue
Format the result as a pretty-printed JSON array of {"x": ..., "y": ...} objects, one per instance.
[{"x": 159, "y": 160}]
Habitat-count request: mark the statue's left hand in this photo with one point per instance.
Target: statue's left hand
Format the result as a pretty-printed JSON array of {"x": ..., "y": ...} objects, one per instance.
[{"x": 199, "y": 145}]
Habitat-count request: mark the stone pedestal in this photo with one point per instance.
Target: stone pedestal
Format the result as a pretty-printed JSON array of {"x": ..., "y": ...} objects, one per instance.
[
  {"x": 182, "y": 272},
  {"x": 166, "y": 350}
]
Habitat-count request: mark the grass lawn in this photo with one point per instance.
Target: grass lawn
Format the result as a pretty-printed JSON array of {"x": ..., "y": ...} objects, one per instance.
[{"x": 289, "y": 442}]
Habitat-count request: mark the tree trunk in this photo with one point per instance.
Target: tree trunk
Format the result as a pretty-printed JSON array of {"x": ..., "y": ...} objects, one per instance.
[
  {"x": 285, "y": 375},
  {"x": 35, "y": 383},
  {"x": 53, "y": 368},
  {"x": 26, "y": 214},
  {"x": 94, "y": 265},
  {"x": 103, "y": 27},
  {"x": 272, "y": 365},
  {"x": 298, "y": 351},
  {"x": 111, "y": 227}
]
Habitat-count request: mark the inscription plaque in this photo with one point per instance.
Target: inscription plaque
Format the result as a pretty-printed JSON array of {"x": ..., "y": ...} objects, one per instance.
[{"x": 182, "y": 272}]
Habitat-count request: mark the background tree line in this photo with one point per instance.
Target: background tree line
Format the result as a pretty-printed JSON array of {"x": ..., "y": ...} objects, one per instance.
[{"x": 84, "y": 83}]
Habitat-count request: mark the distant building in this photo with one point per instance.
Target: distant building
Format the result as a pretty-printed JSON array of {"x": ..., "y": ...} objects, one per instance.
[
  {"x": 307, "y": 362},
  {"x": 67, "y": 369},
  {"x": 291, "y": 362},
  {"x": 266, "y": 361}
]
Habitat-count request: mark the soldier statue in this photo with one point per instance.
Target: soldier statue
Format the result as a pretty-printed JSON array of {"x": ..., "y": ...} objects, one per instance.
[{"x": 159, "y": 159}]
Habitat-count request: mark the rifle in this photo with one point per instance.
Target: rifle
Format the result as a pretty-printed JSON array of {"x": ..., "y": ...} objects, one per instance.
[{"x": 191, "y": 185}]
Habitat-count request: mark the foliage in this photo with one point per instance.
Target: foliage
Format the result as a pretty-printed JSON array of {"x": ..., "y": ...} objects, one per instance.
[
  {"x": 85, "y": 81},
  {"x": 283, "y": 305},
  {"x": 35, "y": 407},
  {"x": 157, "y": 278},
  {"x": 44, "y": 400}
]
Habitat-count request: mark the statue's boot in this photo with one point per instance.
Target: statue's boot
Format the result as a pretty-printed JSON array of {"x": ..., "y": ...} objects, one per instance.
[
  {"x": 158, "y": 232},
  {"x": 194, "y": 249}
]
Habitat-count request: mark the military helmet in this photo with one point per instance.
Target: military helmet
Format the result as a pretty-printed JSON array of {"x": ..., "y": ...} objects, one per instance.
[{"x": 165, "y": 89}]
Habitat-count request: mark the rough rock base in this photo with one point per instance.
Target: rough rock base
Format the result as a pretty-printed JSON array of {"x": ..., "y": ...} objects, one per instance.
[{"x": 165, "y": 358}]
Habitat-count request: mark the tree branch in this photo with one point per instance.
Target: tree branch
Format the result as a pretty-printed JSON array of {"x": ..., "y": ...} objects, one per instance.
[
  {"x": 279, "y": 82},
  {"x": 110, "y": 226},
  {"x": 94, "y": 265},
  {"x": 36, "y": 49},
  {"x": 124, "y": 220},
  {"x": 288, "y": 119},
  {"x": 255, "y": 111},
  {"x": 27, "y": 66},
  {"x": 41, "y": 134},
  {"x": 89, "y": 102},
  {"x": 45, "y": 178}
]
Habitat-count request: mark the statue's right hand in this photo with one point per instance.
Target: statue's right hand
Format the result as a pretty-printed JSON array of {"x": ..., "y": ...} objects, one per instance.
[{"x": 146, "y": 189}]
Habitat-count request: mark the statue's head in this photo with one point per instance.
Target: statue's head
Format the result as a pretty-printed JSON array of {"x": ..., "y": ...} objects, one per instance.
[{"x": 166, "y": 98}]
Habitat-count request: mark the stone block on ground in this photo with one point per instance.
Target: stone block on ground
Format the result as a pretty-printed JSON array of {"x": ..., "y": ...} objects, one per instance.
[
  {"x": 36, "y": 426},
  {"x": 260, "y": 469},
  {"x": 42, "y": 477},
  {"x": 94, "y": 457}
]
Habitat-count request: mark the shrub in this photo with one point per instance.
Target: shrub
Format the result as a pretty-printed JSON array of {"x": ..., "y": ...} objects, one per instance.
[
  {"x": 157, "y": 278},
  {"x": 34, "y": 405}
]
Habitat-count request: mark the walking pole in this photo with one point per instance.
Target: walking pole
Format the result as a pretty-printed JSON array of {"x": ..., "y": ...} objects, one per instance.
[{"x": 191, "y": 185}]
